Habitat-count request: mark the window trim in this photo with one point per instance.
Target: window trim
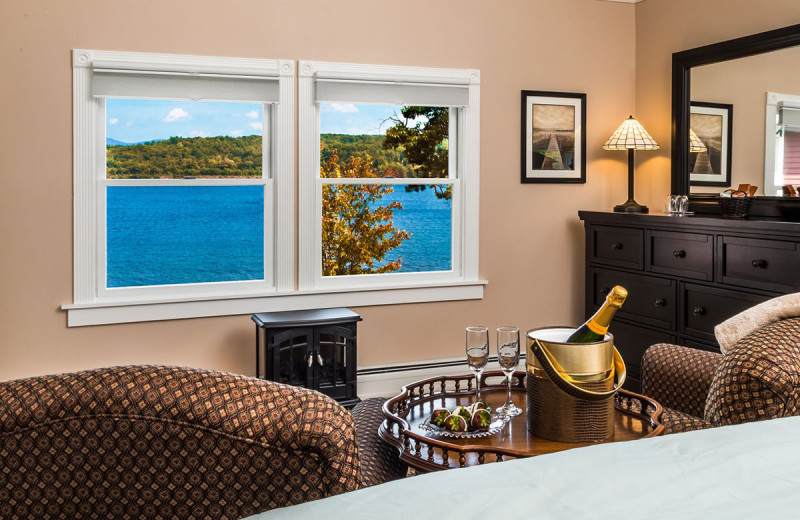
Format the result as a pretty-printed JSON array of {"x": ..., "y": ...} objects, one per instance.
[
  {"x": 774, "y": 99},
  {"x": 89, "y": 194},
  {"x": 466, "y": 186},
  {"x": 87, "y": 310}
]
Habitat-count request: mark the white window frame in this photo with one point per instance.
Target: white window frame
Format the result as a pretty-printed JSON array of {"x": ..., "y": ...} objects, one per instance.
[
  {"x": 463, "y": 175},
  {"x": 90, "y": 182},
  {"x": 288, "y": 290},
  {"x": 773, "y": 149}
]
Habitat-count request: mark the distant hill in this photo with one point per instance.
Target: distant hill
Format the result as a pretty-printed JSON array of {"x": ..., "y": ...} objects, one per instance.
[
  {"x": 362, "y": 145},
  {"x": 223, "y": 156},
  {"x": 113, "y": 142},
  {"x": 179, "y": 157}
]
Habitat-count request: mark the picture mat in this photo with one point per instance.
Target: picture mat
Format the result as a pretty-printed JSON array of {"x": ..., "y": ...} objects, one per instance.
[{"x": 575, "y": 104}]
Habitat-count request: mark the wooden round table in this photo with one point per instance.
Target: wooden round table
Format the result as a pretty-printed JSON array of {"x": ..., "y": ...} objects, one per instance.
[{"x": 636, "y": 416}]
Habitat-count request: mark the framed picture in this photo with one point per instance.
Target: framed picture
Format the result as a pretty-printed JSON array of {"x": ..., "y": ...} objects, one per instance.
[
  {"x": 710, "y": 135},
  {"x": 553, "y": 137}
]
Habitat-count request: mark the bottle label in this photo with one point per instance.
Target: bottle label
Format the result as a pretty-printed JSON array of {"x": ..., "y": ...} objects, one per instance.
[{"x": 597, "y": 329}]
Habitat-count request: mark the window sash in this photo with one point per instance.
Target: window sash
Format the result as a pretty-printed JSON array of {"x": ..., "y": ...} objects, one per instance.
[
  {"x": 463, "y": 174},
  {"x": 188, "y": 290}
]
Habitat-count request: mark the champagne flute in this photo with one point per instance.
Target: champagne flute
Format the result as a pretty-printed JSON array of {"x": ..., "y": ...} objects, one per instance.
[
  {"x": 477, "y": 353},
  {"x": 508, "y": 357}
]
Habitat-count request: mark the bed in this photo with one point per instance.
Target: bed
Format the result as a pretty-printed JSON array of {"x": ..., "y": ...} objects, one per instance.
[{"x": 749, "y": 470}]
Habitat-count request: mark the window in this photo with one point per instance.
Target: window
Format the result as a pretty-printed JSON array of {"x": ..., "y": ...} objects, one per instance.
[
  {"x": 782, "y": 143},
  {"x": 184, "y": 202},
  {"x": 182, "y": 177},
  {"x": 390, "y": 197}
]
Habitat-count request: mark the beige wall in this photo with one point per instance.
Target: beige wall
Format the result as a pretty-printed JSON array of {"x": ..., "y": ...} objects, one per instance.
[
  {"x": 664, "y": 27},
  {"x": 531, "y": 238},
  {"x": 744, "y": 83}
]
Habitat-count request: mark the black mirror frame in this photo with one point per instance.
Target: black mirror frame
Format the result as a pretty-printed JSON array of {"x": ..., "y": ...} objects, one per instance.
[{"x": 682, "y": 63}]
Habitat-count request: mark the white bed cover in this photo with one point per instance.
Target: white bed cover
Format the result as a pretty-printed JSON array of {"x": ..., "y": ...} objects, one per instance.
[{"x": 747, "y": 471}]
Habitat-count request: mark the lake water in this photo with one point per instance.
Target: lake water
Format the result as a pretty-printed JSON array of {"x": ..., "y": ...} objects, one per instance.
[{"x": 195, "y": 234}]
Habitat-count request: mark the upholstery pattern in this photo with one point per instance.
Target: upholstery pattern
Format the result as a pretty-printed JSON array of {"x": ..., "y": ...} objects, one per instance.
[
  {"x": 167, "y": 442},
  {"x": 675, "y": 421},
  {"x": 759, "y": 377},
  {"x": 380, "y": 462},
  {"x": 679, "y": 377}
]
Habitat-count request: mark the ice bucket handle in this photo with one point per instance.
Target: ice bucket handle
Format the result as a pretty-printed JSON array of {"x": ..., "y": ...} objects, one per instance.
[{"x": 567, "y": 384}]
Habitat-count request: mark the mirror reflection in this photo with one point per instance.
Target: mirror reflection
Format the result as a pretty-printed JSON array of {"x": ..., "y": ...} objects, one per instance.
[{"x": 745, "y": 124}]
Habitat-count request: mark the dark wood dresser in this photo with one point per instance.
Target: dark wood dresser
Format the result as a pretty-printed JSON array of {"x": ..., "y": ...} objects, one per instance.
[{"x": 684, "y": 275}]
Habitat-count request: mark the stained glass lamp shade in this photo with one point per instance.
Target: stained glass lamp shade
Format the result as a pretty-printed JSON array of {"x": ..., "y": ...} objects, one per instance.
[
  {"x": 630, "y": 136},
  {"x": 695, "y": 144}
]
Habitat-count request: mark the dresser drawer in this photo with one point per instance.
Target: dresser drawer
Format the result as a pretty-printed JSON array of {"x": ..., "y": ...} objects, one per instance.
[
  {"x": 689, "y": 255},
  {"x": 706, "y": 307},
  {"x": 617, "y": 246},
  {"x": 772, "y": 265},
  {"x": 651, "y": 301},
  {"x": 632, "y": 341}
]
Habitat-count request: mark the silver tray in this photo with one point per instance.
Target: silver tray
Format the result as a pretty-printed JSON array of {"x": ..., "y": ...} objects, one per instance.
[{"x": 495, "y": 426}]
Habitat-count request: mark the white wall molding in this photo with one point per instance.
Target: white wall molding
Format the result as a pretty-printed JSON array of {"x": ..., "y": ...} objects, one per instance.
[
  {"x": 157, "y": 62},
  {"x": 79, "y": 315},
  {"x": 283, "y": 174}
]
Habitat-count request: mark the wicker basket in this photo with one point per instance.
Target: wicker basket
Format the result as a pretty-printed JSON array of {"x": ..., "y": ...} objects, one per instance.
[
  {"x": 571, "y": 386},
  {"x": 735, "y": 207}
]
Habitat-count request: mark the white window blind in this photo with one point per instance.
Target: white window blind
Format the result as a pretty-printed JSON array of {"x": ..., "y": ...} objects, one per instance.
[
  {"x": 788, "y": 115},
  {"x": 391, "y": 93},
  {"x": 179, "y": 85}
]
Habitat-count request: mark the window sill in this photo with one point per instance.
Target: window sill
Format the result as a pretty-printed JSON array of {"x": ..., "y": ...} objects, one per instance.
[{"x": 79, "y": 315}]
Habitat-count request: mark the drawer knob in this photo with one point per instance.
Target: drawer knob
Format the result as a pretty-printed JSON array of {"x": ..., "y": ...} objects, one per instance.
[
  {"x": 616, "y": 245},
  {"x": 679, "y": 253},
  {"x": 660, "y": 302},
  {"x": 698, "y": 311},
  {"x": 759, "y": 264}
]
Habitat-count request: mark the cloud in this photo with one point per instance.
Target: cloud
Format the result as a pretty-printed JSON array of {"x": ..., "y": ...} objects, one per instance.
[
  {"x": 113, "y": 121},
  {"x": 235, "y": 133},
  {"x": 176, "y": 114},
  {"x": 256, "y": 126},
  {"x": 197, "y": 133},
  {"x": 253, "y": 114},
  {"x": 343, "y": 108}
]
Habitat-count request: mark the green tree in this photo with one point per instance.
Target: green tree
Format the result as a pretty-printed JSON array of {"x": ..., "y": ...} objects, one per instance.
[
  {"x": 423, "y": 134},
  {"x": 356, "y": 235}
]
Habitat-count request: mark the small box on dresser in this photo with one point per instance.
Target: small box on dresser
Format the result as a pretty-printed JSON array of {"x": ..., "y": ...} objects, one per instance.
[{"x": 684, "y": 274}]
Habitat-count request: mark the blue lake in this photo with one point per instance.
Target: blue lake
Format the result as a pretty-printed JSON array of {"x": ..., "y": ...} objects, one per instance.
[{"x": 195, "y": 234}]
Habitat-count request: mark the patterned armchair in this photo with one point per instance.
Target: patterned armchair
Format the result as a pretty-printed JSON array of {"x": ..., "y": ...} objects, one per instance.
[
  {"x": 167, "y": 442},
  {"x": 757, "y": 379}
]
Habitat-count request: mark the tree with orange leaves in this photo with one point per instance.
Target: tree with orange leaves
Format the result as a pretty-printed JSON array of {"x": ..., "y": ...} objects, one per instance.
[{"x": 356, "y": 232}]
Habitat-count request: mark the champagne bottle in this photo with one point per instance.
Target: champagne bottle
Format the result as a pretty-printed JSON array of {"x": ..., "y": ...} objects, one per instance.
[{"x": 596, "y": 327}]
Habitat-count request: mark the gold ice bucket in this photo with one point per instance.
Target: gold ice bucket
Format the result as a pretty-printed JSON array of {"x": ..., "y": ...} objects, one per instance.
[{"x": 571, "y": 386}]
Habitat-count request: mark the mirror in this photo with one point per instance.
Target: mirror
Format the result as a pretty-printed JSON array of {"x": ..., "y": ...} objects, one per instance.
[{"x": 720, "y": 90}]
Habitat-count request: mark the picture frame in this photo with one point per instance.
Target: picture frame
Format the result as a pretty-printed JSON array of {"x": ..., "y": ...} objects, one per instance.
[
  {"x": 712, "y": 123},
  {"x": 553, "y": 148}
]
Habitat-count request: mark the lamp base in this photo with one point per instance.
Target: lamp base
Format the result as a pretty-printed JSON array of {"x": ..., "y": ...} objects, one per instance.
[{"x": 631, "y": 206}]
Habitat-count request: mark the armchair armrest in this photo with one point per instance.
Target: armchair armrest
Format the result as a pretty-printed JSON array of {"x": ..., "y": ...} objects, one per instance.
[
  {"x": 679, "y": 377},
  {"x": 185, "y": 442}
]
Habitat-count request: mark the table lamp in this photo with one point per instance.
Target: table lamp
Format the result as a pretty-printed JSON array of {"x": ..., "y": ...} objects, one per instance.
[
  {"x": 695, "y": 143},
  {"x": 630, "y": 136}
]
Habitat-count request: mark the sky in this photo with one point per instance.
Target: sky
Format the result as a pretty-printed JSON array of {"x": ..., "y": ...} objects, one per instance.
[
  {"x": 349, "y": 118},
  {"x": 137, "y": 120}
]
